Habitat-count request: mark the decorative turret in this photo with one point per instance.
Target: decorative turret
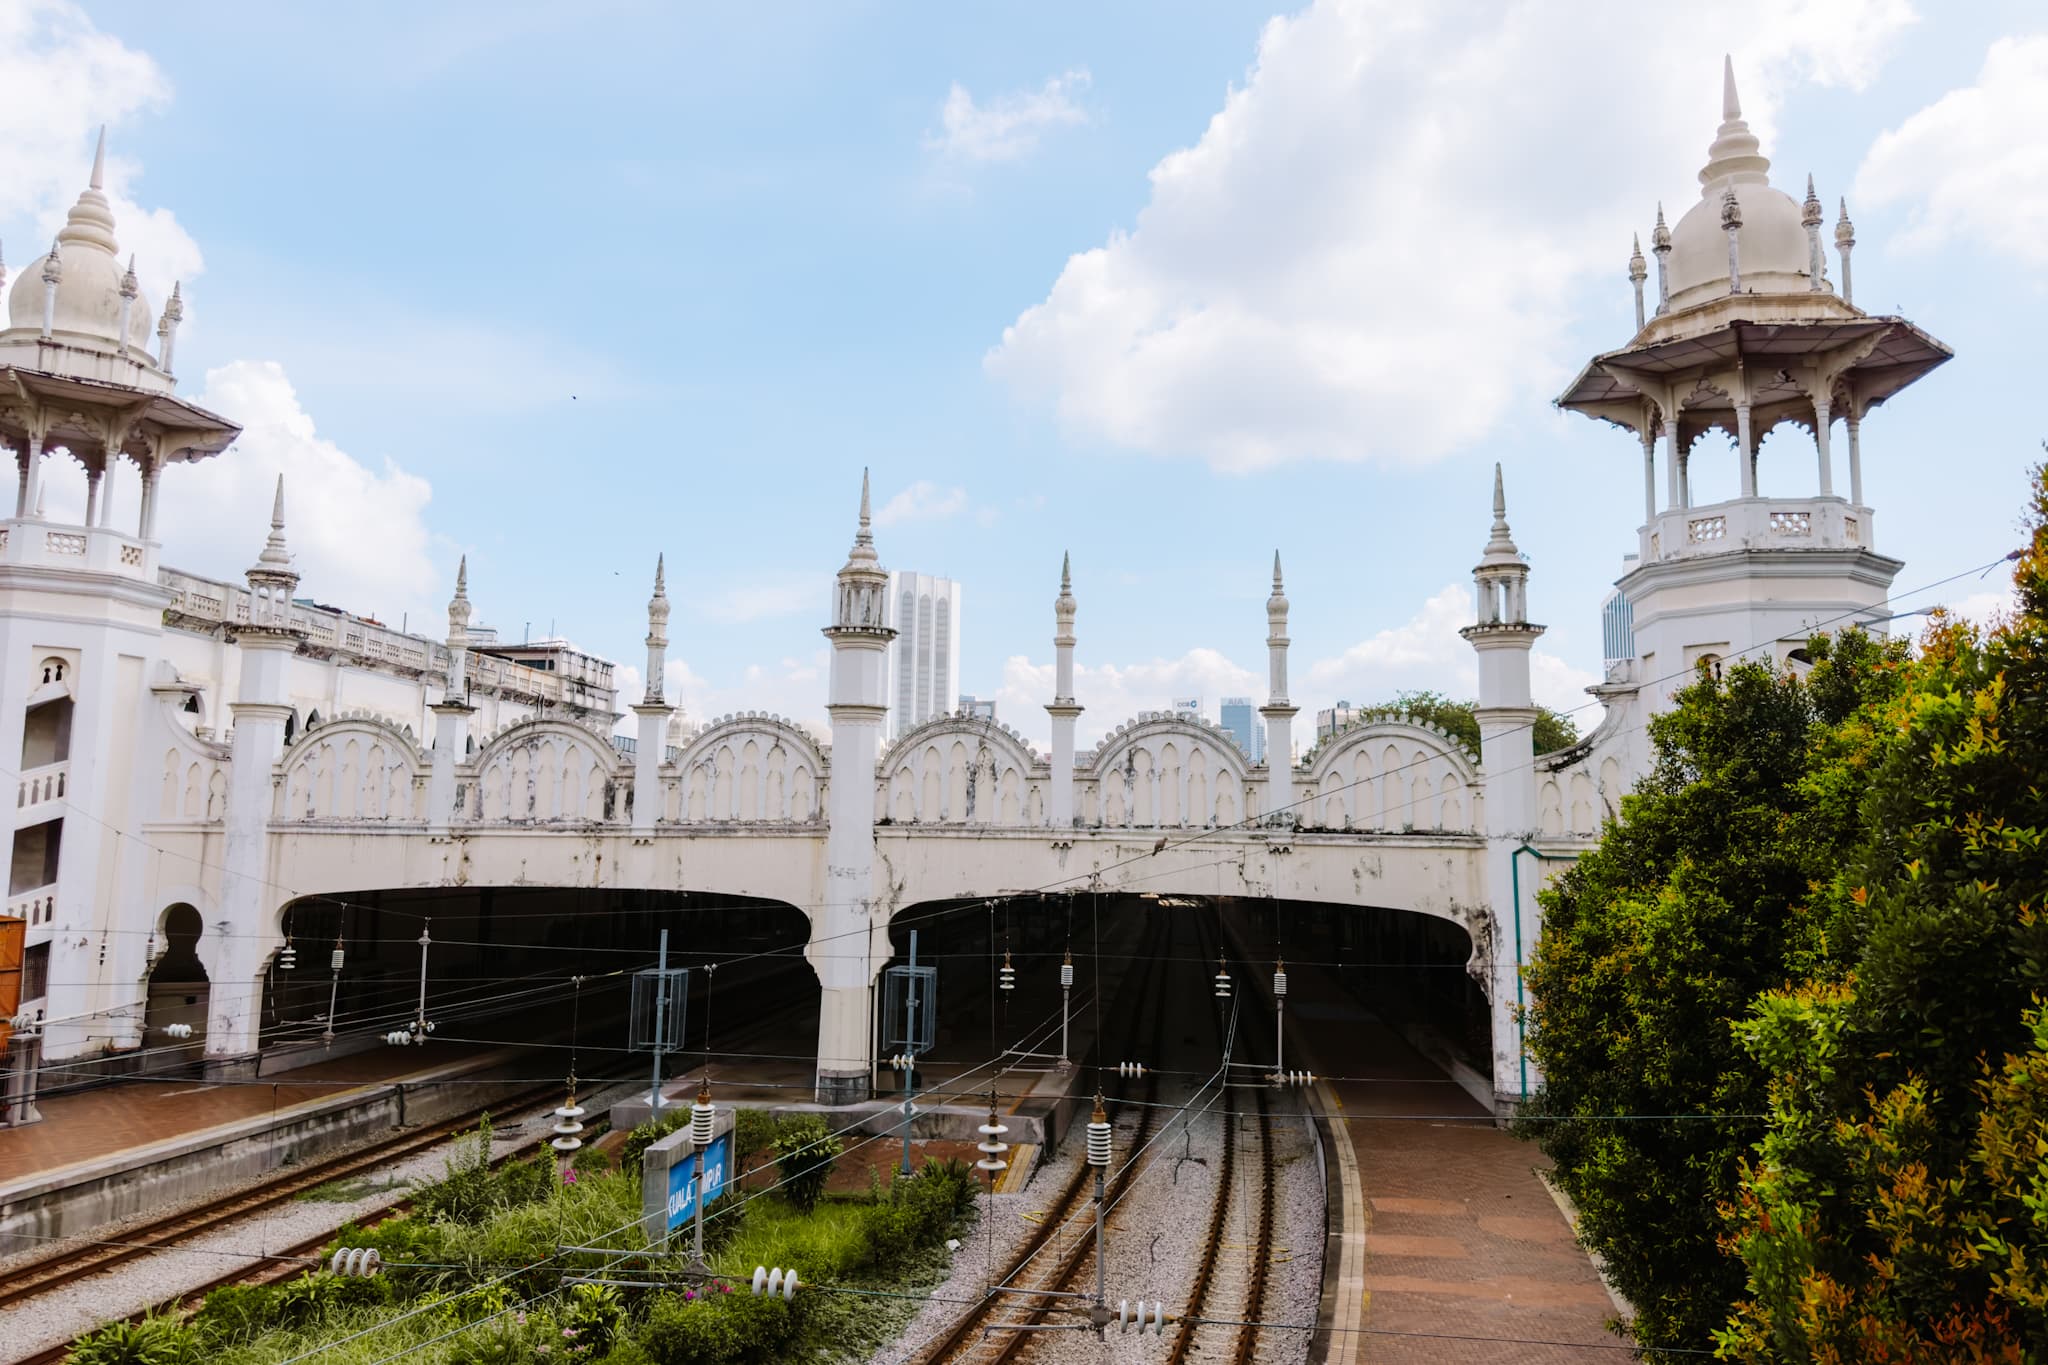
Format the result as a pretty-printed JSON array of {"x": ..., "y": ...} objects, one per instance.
[
  {"x": 1064, "y": 710},
  {"x": 858, "y": 705},
  {"x": 1637, "y": 273},
  {"x": 1731, "y": 223},
  {"x": 1278, "y": 711},
  {"x": 167, "y": 329},
  {"x": 53, "y": 275},
  {"x": 1845, "y": 241},
  {"x": 1810, "y": 215},
  {"x": 131, "y": 288},
  {"x": 271, "y": 577},
  {"x": 458, "y": 632},
  {"x": 657, "y": 632}
]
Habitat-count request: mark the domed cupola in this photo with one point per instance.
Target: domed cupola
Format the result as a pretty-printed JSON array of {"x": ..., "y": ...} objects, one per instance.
[{"x": 1771, "y": 238}]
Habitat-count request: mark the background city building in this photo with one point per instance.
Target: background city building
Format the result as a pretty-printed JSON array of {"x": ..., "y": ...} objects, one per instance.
[
  {"x": 923, "y": 664},
  {"x": 1238, "y": 718}
]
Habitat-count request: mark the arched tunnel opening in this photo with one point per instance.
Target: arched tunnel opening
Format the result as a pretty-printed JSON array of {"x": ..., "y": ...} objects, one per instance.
[
  {"x": 1406, "y": 973},
  {"x": 545, "y": 971}
]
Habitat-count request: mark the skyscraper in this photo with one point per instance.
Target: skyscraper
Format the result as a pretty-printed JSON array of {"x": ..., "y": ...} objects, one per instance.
[
  {"x": 1238, "y": 719},
  {"x": 924, "y": 660}
]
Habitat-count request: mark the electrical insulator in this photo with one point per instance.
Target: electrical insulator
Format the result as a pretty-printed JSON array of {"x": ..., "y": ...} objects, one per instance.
[
  {"x": 567, "y": 1126},
  {"x": 358, "y": 1262},
  {"x": 903, "y": 1061},
  {"x": 397, "y": 1038},
  {"x": 1141, "y": 1316},
  {"x": 702, "y": 1116},
  {"x": 1007, "y": 977},
  {"x": 992, "y": 1145},
  {"x": 1293, "y": 1078},
  {"x": 1067, "y": 971},
  {"x": 1222, "y": 981},
  {"x": 1280, "y": 978},
  {"x": 334, "y": 958},
  {"x": 289, "y": 957},
  {"x": 773, "y": 1282},
  {"x": 1131, "y": 1069},
  {"x": 1098, "y": 1135}
]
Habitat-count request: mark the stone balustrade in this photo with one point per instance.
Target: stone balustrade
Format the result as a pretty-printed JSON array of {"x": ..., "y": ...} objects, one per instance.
[
  {"x": 1758, "y": 524},
  {"x": 96, "y": 549},
  {"x": 39, "y": 787}
]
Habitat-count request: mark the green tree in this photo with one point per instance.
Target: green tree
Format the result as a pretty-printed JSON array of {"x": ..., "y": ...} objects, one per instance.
[
  {"x": 1897, "y": 1209},
  {"x": 1653, "y": 944},
  {"x": 1554, "y": 730}
]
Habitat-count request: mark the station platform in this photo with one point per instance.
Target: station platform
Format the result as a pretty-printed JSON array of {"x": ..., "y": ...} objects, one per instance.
[{"x": 143, "y": 1145}]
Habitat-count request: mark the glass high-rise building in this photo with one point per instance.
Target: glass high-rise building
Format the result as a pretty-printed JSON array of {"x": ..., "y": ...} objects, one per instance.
[
  {"x": 1241, "y": 719},
  {"x": 924, "y": 660}
]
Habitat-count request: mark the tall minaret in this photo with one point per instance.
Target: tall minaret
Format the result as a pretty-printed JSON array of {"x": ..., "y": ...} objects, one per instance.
[
  {"x": 452, "y": 712},
  {"x": 1502, "y": 638},
  {"x": 847, "y": 947},
  {"x": 1059, "y": 806},
  {"x": 248, "y": 900},
  {"x": 652, "y": 710},
  {"x": 1278, "y": 711}
]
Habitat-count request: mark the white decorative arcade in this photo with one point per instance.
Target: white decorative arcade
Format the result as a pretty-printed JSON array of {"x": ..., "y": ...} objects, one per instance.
[{"x": 218, "y": 751}]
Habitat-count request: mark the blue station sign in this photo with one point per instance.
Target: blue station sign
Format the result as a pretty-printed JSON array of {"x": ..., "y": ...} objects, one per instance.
[{"x": 683, "y": 1184}]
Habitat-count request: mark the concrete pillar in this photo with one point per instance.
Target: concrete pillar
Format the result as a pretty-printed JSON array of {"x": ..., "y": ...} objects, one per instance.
[
  {"x": 1744, "y": 451},
  {"x": 1821, "y": 422},
  {"x": 32, "y": 486},
  {"x": 649, "y": 739},
  {"x": 1649, "y": 436},
  {"x": 451, "y": 742},
  {"x": 1855, "y": 425},
  {"x": 247, "y": 934}
]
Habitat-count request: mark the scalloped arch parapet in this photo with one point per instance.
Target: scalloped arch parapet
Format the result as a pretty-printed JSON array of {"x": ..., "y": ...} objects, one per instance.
[
  {"x": 1392, "y": 772},
  {"x": 707, "y": 736},
  {"x": 1149, "y": 724},
  {"x": 537, "y": 727},
  {"x": 748, "y": 767},
  {"x": 368, "y": 722},
  {"x": 1020, "y": 749}
]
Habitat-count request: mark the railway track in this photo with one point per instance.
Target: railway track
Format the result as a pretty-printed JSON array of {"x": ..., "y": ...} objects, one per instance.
[{"x": 987, "y": 1333}]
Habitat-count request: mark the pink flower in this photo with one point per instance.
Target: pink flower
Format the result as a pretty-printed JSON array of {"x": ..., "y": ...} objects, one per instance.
[
  {"x": 568, "y": 1331},
  {"x": 568, "y": 1175},
  {"x": 689, "y": 1294}
]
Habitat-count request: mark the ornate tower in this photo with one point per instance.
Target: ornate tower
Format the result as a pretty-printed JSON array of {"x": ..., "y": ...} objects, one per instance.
[
  {"x": 1064, "y": 710},
  {"x": 452, "y": 712},
  {"x": 267, "y": 643},
  {"x": 1502, "y": 638},
  {"x": 652, "y": 710},
  {"x": 1749, "y": 335},
  {"x": 1278, "y": 710},
  {"x": 81, "y": 611},
  {"x": 845, "y": 940}
]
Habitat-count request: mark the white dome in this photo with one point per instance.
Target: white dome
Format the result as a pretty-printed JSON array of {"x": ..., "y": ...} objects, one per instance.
[
  {"x": 89, "y": 286},
  {"x": 1773, "y": 249}
]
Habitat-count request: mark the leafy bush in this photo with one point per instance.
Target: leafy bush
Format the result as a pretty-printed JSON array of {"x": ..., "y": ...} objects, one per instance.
[
  {"x": 752, "y": 1130},
  {"x": 465, "y": 1194},
  {"x": 804, "y": 1156},
  {"x": 153, "y": 1341},
  {"x": 720, "y": 1328}
]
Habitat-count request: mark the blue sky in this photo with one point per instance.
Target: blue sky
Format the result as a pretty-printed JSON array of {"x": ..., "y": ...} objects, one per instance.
[{"x": 1169, "y": 286}]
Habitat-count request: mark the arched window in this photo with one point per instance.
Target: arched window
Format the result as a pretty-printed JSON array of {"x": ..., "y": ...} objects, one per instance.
[{"x": 291, "y": 727}]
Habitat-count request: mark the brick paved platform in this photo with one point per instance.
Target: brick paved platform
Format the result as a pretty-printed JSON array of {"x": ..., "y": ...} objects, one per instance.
[{"x": 1467, "y": 1257}]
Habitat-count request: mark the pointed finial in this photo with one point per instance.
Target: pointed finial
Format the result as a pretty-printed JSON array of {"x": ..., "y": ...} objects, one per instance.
[
  {"x": 1500, "y": 496},
  {"x": 174, "y": 306},
  {"x": 864, "y": 518},
  {"x": 462, "y": 578},
  {"x": 99, "y": 161},
  {"x": 277, "y": 506},
  {"x": 1638, "y": 269},
  {"x": 1810, "y": 212},
  {"x": 1500, "y": 545},
  {"x": 1845, "y": 231},
  {"x": 1276, "y": 571},
  {"x": 660, "y": 575},
  {"x": 1735, "y": 153},
  {"x": 1660, "y": 235},
  {"x": 53, "y": 265},
  {"x": 1066, "y": 571},
  {"x": 274, "y": 555},
  {"x": 1731, "y": 106},
  {"x": 130, "y": 286}
]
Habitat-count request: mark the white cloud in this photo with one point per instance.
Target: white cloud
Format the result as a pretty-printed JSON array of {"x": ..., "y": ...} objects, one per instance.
[
  {"x": 1373, "y": 249},
  {"x": 358, "y": 535},
  {"x": 1974, "y": 163},
  {"x": 922, "y": 501},
  {"x": 1424, "y": 652},
  {"x": 64, "y": 78},
  {"x": 1008, "y": 126},
  {"x": 754, "y": 600},
  {"x": 795, "y": 689}
]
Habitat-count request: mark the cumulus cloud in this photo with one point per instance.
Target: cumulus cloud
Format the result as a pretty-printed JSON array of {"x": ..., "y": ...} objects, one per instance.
[
  {"x": 752, "y": 600},
  {"x": 793, "y": 688},
  {"x": 64, "y": 78},
  {"x": 1424, "y": 652},
  {"x": 1372, "y": 251},
  {"x": 358, "y": 534},
  {"x": 922, "y": 501},
  {"x": 1008, "y": 126},
  {"x": 1966, "y": 166}
]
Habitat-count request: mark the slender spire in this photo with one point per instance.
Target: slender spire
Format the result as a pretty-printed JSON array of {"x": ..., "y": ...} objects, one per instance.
[
  {"x": 274, "y": 553},
  {"x": 1845, "y": 241},
  {"x": 1066, "y": 572},
  {"x": 1736, "y": 157},
  {"x": 91, "y": 219},
  {"x": 1638, "y": 271},
  {"x": 53, "y": 264},
  {"x": 130, "y": 286},
  {"x": 863, "y": 555},
  {"x": 462, "y": 579},
  {"x": 1276, "y": 571},
  {"x": 1501, "y": 544},
  {"x": 99, "y": 161},
  {"x": 660, "y": 575}
]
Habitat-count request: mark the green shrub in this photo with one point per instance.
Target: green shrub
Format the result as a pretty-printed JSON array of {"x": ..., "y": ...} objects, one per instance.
[
  {"x": 647, "y": 1134},
  {"x": 752, "y": 1131},
  {"x": 804, "y": 1156},
  {"x": 595, "y": 1313},
  {"x": 464, "y": 1194},
  {"x": 719, "y": 1328},
  {"x": 153, "y": 1341}
]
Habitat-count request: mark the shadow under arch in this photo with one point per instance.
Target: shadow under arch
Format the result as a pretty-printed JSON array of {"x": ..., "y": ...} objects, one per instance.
[{"x": 179, "y": 989}]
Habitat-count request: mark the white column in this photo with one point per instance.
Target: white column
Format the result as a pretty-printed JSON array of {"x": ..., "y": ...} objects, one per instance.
[
  {"x": 1855, "y": 425},
  {"x": 649, "y": 741},
  {"x": 1821, "y": 421},
  {"x": 1649, "y": 435},
  {"x": 1059, "y": 802},
  {"x": 107, "y": 484},
  {"x": 32, "y": 489},
  {"x": 451, "y": 738},
  {"x": 1744, "y": 451},
  {"x": 92, "y": 497},
  {"x": 146, "y": 522},
  {"x": 1672, "y": 500},
  {"x": 247, "y": 897}
]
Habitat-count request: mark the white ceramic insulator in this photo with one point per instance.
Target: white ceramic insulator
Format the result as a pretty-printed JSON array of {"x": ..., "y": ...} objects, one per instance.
[
  {"x": 1066, "y": 974},
  {"x": 702, "y": 1119},
  {"x": 1098, "y": 1143},
  {"x": 1279, "y": 983}
]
